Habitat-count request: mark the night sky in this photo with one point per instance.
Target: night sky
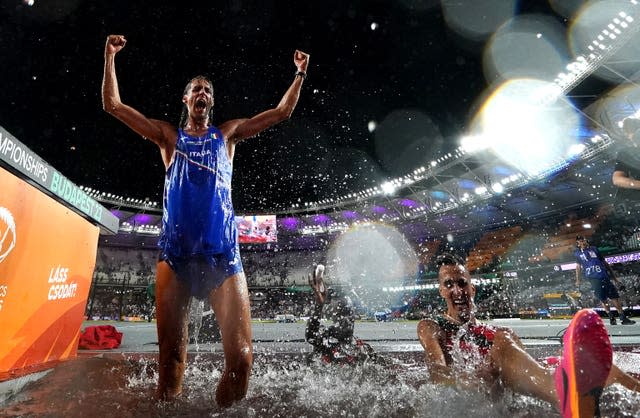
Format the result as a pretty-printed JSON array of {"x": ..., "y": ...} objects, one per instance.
[{"x": 370, "y": 61}]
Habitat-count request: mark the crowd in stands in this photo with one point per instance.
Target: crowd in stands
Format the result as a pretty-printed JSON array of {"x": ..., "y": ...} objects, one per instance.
[
  {"x": 133, "y": 266},
  {"x": 278, "y": 268},
  {"x": 121, "y": 281},
  {"x": 107, "y": 303},
  {"x": 277, "y": 278},
  {"x": 269, "y": 303}
]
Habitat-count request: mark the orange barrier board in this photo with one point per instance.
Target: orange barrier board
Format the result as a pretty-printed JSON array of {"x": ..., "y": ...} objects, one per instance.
[{"x": 47, "y": 257}]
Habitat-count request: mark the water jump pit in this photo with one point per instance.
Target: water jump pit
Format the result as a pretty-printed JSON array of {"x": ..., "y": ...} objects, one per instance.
[{"x": 282, "y": 385}]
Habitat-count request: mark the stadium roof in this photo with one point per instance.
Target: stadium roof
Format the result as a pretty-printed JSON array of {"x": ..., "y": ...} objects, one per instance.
[{"x": 393, "y": 88}]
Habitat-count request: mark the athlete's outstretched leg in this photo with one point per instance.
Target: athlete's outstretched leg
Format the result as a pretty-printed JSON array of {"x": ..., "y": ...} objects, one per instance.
[
  {"x": 172, "y": 305},
  {"x": 519, "y": 371},
  {"x": 618, "y": 376},
  {"x": 230, "y": 303}
]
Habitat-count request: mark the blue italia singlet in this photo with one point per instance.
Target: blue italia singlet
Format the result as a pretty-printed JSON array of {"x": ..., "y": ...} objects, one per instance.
[{"x": 198, "y": 217}]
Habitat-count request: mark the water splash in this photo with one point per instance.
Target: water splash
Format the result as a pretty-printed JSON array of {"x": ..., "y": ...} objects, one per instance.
[{"x": 281, "y": 386}]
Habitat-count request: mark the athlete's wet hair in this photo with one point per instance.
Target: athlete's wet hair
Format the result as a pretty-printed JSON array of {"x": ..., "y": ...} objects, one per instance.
[
  {"x": 448, "y": 259},
  {"x": 184, "y": 117}
]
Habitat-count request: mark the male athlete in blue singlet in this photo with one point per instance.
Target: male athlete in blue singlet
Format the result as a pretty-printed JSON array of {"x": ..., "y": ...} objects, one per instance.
[
  {"x": 199, "y": 246},
  {"x": 199, "y": 234}
]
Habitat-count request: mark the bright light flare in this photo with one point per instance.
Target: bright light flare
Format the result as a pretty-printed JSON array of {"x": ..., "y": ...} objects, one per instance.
[
  {"x": 497, "y": 187},
  {"x": 473, "y": 144},
  {"x": 528, "y": 124},
  {"x": 575, "y": 150},
  {"x": 388, "y": 188},
  {"x": 481, "y": 190}
]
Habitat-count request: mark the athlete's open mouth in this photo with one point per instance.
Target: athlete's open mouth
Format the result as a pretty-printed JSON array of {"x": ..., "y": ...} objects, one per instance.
[{"x": 200, "y": 104}]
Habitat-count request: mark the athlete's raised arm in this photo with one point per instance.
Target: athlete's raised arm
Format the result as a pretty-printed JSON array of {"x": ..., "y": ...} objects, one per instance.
[
  {"x": 238, "y": 129},
  {"x": 160, "y": 132}
]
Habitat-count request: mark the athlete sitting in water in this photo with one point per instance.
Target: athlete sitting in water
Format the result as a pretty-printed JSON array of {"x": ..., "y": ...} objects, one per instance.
[
  {"x": 199, "y": 251},
  {"x": 455, "y": 337},
  {"x": 335, "y": 343}
]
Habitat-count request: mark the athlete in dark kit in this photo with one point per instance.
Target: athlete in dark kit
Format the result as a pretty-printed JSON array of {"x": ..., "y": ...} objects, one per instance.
[
  {"x": 597, "y": 271},
  {"x": 497, "y": 358}
]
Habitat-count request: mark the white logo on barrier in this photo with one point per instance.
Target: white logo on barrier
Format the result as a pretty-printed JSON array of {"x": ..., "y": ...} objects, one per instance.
[
  {"x": 7, "y": 233},
  {"x": 60, "y": 289}
]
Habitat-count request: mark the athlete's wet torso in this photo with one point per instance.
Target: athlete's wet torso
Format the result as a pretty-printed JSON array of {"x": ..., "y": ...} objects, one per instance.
[
  {"x": 477, "y": 337},
  {"x": 198, "y": 217},
  {"x": 199, "y": 235}
]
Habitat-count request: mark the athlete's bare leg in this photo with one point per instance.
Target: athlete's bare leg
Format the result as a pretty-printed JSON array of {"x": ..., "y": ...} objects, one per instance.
[
  {"x": 522, "y": 373},
  {"x": 519, "y": 371},
  {"x": 230, "y": 304},
  {"x": 618, "y": 376},
  {"x": 172, "y": 306}
]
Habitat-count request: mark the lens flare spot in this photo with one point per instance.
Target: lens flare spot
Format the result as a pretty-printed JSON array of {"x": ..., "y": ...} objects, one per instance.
[
  {"x": 608, "y": 29},
  {"x": 531, "y": 46},
  {"x": 529, "y": 124},
  {"x": 477, "y": 19},
  {"x": 370, "y": 257}
]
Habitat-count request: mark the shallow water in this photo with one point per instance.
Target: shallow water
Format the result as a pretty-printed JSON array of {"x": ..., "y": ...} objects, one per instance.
[{"x": 281, "y": 386}]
